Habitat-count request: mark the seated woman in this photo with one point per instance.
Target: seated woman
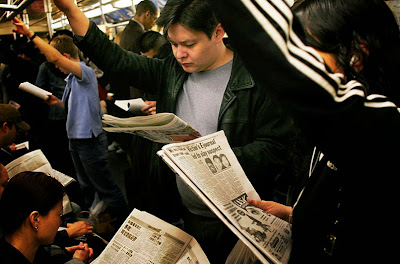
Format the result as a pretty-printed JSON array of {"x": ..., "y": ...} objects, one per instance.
[{"x": 33, "y": 205}]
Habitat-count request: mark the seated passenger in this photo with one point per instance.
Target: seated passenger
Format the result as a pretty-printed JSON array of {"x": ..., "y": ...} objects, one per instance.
[{"x": 33, "y": 202}]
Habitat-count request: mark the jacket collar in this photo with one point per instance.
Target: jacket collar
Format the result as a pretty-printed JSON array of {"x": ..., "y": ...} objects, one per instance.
[{"x": 240, "y": 78}]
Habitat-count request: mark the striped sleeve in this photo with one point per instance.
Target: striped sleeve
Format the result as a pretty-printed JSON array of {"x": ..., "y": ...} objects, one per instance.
[{"x": 262, "y": 32}]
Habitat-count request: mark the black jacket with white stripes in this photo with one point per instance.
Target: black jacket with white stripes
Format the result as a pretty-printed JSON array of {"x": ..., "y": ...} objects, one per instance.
[{"x": 345, "y": 216}]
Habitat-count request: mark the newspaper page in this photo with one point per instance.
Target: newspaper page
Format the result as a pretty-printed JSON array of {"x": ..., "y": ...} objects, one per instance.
[
  {"x": 394, "y": 5},
  {"x": 34, "y": 90},
  {"x": 211, "y": 169},
  {"x": 161, "y": 127},
  {"x": 193, "y": 254},
  {"x": 131, "y": 105},
  {"x": 143, "y": 239},
  {"x": 37, "y": 161}
]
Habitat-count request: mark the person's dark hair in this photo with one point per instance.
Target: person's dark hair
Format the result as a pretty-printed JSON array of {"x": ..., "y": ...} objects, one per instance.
[
  {"x": 344, "y": 28},
  {"x": 63, "y": 32},
  {"x": 65, "y": 44},
  {"x": 150, "y": 40},
  {"x": 145, "y": 6},
  {"x": 27, "y": 192},
  {"x": 197, "y": 15}
]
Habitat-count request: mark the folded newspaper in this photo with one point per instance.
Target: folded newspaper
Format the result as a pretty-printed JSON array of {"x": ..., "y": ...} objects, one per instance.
[
  {"x": 144, "y": 238},
  {"x": 34, "y": 90},
  {"x": 210, "y": 168},
  {"x": 37, "y": 161},
  {"x": 132, "y": 105},
  {"x": 162, "y": 127}
]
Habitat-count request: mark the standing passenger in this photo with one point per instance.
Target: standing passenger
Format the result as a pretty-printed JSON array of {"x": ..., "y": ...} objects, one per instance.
[
  {"x": 343, "y": 213},
  {"x": 206, "y": 85},
  {"x": 87, "y": 141}
]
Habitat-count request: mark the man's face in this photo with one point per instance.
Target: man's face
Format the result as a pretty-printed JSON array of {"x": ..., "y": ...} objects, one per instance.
[
  {"x": 9, "y": 134},
  {"x": 3, "y": 179},
  {"x": 194, "y": 50},
  {"x": 150, "y": 20}
]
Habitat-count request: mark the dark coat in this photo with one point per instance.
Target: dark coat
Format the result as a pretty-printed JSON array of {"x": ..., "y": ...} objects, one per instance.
[
  {"x": 256, "y": 128},
  {"x": 130, "y": 36}
]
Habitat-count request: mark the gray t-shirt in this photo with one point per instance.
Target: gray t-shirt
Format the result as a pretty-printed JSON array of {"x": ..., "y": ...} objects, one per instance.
[{"x": 198, "y": 105}]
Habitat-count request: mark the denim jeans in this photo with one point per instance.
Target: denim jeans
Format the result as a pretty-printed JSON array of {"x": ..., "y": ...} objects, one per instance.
[{"x": 93, "y": 173}]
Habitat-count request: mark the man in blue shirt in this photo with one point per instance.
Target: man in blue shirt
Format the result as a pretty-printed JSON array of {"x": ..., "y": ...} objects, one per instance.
[{"x": 87, "y": 141}]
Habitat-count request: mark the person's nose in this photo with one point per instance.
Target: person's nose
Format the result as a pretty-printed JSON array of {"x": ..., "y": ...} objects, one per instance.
[{"x": 181, "y": 52}]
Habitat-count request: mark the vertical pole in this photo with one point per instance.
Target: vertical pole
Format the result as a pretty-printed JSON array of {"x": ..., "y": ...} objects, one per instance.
[{"x": 48, "y": 10}]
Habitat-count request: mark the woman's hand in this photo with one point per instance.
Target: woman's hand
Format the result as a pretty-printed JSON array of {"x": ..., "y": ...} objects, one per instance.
[
  {"x": 277, "y": 209},
  {"x": 82, "y": 252},
  {"x": 79, "y": 228}
]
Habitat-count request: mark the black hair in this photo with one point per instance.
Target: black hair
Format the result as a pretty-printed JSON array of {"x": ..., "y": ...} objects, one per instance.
[
  {"x": 193, "y": 14},
  {"x": 63, "y": 32},
  {"x": 145, "y": 6},
  {"x": 345, "y": 28},
  {"x": 27, "y": 192},
  {"x": 151, "y": 40}
]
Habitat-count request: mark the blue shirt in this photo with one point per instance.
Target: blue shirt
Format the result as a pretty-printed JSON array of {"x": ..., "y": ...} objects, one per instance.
[{"x": 84, "y": 112}]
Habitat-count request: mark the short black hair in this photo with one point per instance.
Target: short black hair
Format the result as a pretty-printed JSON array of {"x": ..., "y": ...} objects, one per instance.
[
  {"x": 151, "y": 40},
  {"x": 145, "y": 6},
  {"x": 193, "y": 14},
  {"x": 27, "y": 192}
]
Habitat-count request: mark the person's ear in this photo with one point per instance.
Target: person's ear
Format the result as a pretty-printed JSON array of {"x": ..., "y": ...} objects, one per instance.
[
  {"x": 4, "y": 127},
  {"x": 357, "y": 60},
  {"x": 66, "y": 55},
  {"x": 219, "y": 32},
  {"x": 34, "y": 218}
]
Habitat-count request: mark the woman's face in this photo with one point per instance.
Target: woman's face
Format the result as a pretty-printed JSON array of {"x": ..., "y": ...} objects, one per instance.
[{"x": 48, "y": 225}]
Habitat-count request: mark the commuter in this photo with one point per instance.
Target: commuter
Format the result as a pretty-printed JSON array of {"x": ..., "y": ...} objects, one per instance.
[
  {"x": 32, "y": 206},
  {"x": 54, "y": 139},
  {"x": 73, "y": 230},
  {"x": 23, "y": 61},
  {"x": 87, "y": 141},
  {"x": 11, "y": 124},
  {"x": 144, "y": 19},
  {"x": 207, "y": 86},
  {"x": 341, "y": 214},
  {"x": 150, "y": 42}
]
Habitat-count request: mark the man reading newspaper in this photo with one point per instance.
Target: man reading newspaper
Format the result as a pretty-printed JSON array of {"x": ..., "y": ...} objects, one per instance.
[{"x": 205, "y": 84}]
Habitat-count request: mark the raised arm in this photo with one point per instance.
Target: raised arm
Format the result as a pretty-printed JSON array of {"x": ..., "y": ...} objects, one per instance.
[
  {"x": 77, "y": 19},
  {"x": 52, "y": 54}
]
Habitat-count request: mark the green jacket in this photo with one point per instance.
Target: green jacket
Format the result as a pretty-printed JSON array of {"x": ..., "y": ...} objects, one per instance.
[{"x": 256, "y": 128}]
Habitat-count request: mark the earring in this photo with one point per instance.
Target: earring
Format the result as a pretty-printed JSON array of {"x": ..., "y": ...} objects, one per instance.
[{"x": 36, "y": 228}]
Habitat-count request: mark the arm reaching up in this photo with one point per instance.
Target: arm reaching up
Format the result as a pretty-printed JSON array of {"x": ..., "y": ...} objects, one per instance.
[
  {"x": 62, "y": 61},
  {"x": 77, "y": 19}
]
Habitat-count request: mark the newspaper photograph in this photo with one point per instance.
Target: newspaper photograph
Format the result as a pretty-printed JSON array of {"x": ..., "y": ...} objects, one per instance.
[
  {"x": 161, "y": 127},
  {"x": 144, "y": 238},
  {"x": 211, "y": 169}
]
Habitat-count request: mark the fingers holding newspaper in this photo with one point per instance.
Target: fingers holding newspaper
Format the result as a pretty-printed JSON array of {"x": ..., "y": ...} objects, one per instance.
[
  {"x": 225, "y": 191},
  {"x": 277, "y": 209}
]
